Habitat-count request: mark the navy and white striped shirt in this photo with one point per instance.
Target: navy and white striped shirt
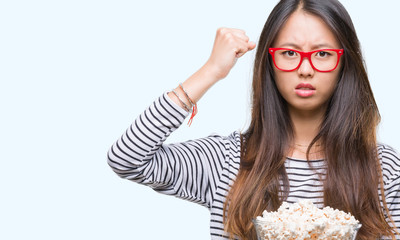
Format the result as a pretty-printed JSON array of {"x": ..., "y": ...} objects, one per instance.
[{"x": 202, "y": 170}]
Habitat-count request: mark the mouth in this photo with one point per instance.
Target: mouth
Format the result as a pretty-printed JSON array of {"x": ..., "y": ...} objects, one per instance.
[
  {"x": 305, "y": 86},
  {"x": 305, "y": 90}
]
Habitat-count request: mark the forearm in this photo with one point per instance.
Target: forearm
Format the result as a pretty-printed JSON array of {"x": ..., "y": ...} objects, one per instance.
[
  {"x": 229, "y": 45},
  {"x": 196, "y": 85},
  {"x": 145, "y": 136}
]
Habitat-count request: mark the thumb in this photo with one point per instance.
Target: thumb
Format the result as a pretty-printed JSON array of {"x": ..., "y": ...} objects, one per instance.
[{"x": 251, "y": 45}]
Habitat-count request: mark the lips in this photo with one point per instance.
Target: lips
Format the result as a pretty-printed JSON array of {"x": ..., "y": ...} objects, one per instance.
[
  {"x": 305, "y": 86},
  {"x": 305, "y": 90}
]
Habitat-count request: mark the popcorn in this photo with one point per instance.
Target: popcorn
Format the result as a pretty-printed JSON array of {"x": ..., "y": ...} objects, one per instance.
[{"x": 305, "y": 221}]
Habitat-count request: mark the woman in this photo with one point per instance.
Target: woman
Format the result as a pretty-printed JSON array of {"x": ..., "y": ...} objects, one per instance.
[{"x": 312, "y": 133}]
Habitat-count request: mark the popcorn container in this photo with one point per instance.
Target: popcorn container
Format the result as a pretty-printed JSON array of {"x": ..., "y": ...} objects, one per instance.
[{"x": 263, "y": 232}]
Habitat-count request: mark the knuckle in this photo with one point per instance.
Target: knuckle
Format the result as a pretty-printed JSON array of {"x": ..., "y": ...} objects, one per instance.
[
  {"x": 229, "y": 35},
  {"x": 221, "y": 30},
  {"x": 230, "y": 39}
]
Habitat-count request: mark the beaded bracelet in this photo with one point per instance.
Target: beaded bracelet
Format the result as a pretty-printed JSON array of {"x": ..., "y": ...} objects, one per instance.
[
  {"x": 187, "y": 108},
  {"x": 187, "y": 95},
  {"x": 193, "y": 104}
]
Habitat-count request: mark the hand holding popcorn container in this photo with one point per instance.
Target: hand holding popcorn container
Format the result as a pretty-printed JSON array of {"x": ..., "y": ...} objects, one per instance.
[{"x": 305, "y": 221}]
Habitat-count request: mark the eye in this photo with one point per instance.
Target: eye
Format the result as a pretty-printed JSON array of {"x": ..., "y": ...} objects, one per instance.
[
  {"x": 323, "y": 54},
  {"x": 289, "y": 53}
]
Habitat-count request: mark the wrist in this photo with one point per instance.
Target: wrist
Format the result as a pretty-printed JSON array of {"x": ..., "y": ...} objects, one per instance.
[{"x": 213, "y": 72}]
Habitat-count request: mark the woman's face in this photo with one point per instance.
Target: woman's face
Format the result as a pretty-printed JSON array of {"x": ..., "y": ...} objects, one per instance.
[{"x": 306, "y": 90}]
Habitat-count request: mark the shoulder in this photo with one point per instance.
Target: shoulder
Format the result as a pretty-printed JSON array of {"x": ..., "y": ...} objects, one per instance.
[
  {"x": 224, "y": 146},
  {"x": 231, "y": 142},
  {"x": 390, "y": 161},
  {"x": 389, "y": 155},
  {"x": 230, "y": 146}
]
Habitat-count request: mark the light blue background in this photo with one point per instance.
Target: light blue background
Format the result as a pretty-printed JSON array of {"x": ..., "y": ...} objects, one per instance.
[{"x": 74, "y": 74}]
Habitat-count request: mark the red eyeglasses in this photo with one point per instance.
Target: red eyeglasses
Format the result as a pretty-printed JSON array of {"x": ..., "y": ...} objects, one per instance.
[{"x": 322, "y": 60}]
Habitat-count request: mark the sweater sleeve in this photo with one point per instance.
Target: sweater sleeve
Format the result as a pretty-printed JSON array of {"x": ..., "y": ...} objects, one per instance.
[
  {"x": 190, "y": 170},
  {"x": 391, "y": 176}
]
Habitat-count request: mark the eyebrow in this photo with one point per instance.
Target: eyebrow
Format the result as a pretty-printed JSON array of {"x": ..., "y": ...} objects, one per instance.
[{"x": 316, "y": 46}]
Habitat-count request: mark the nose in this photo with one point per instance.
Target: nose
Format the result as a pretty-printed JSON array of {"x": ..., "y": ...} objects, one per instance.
[{"x": 305, "y": 68}]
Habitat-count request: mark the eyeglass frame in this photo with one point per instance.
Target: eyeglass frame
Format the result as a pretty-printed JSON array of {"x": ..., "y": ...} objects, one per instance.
[{"x": 272, "y": 51}]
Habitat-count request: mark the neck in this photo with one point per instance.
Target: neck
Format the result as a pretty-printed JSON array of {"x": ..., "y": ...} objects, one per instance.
[{"x": 305, "y": 126}]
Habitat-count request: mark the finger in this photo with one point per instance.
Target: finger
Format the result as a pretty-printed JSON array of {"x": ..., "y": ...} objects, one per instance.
[
  {"x": 251, "y": 45},
  {"x": 244, "y": 47},
  {"x": 236, "y": 30},
  {"x": 245, "y": 38},
  {"x": 237, "y": 33},
  {"x": 238, "y": 55},
  {"x": 241, "y": 51},
  {"x": 241, "y": 36}
]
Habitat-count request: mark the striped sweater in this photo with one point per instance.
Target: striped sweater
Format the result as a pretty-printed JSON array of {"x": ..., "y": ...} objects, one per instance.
[{"x": 202, "y": 170}]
